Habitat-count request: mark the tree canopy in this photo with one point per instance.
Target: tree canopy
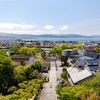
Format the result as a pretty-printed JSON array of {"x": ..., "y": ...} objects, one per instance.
[
  {"x": 97, "y": 50},
  {"x": 6, "y": 71},
  {"x": 88, "y": 90},
  {"x": 16, "y": 48},
  {"x": 28, "y": 51},
  {"x": 38, "y": 64},
  {"x": 58, "y": 49}
]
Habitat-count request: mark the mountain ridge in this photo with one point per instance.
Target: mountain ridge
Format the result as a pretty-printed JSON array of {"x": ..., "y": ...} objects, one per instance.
[{"x": 22, "y": 36}]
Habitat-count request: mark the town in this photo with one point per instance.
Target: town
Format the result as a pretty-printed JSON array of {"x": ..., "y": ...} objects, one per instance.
[{"x": 46, "y": 70}]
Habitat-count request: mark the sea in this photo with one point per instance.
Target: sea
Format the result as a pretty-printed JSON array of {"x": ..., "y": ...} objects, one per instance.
[
  {"x": 53, "y": 39},
  {"x": 65, "y": 39}
]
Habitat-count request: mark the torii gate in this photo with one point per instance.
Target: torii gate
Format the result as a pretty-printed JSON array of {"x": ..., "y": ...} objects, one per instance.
[{"x": 53, "y": 59}]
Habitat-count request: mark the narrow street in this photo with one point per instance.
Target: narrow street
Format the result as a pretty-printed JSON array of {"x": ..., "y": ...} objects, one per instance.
[{"x": 48, "y": 91}]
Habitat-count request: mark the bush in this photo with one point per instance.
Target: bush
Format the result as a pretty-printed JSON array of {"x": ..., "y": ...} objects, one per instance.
[
  {"x": 22, "y": 85},
  {"x": 66, "y": 84},
  {"x": 12, "y": 88},
  {"x": 38, "y": 64},
  {"x": 64, "y": 69}
]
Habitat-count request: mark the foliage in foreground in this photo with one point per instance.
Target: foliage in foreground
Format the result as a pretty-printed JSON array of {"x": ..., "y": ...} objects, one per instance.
[
  {"x": 69, "y": 92},
  {"x": 25, "y": 90},
  {"x": 88, "y": 90},
  {"x": 6, "y": 71}
]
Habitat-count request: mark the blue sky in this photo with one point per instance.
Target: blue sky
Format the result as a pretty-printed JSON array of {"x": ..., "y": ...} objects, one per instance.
[{"x": 50, "y": 17}]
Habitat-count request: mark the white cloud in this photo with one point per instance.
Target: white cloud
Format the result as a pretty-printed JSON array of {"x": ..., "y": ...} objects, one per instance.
[
  {"x": 48, "y": 27},
  {"x": 11, "y": 26},
  {"x": 37, "y": 32},
  {"x": 64, "y": 27}
]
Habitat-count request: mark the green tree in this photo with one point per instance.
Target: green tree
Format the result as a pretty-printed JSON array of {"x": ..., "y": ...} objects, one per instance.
[
  {"x": 28, "y": 51},
  {"x": 43, "y": 54},
  {"x": 73, "y": 92},
  {"x": 64, "y": 59},
  {"x": 63, "y": 46},
  {"x": 6, "y": 71},
  {"x": 3, "y": 52},
  {"x": 79, "y": 45},
  {"x": 22, "y": 73},
  {"x": 98, "y": 46},
  {"x": 22, "y": 85},
  {"x": 89, "y": 95},
  {"x": 64, "y": 74},
  {"x": 56, "y": 49},
  {"x": 12, "y": 89},
  {"x": 58, "y": 90},
  {"x": 38, "y": 64},
  {"x": 66, "y": 84},
  {"x": 97, "y": 50},
  {"x": 93, "y": 83},
  {"x": 16, "y": 48}
]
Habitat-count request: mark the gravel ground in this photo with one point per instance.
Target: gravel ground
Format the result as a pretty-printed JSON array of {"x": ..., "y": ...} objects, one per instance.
[{"x": 48, "y": 92}]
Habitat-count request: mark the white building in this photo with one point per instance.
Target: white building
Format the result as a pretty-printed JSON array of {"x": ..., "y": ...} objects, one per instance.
[
  {"x": 69, "y": 52},
  {"x": 81, "y": 51}
]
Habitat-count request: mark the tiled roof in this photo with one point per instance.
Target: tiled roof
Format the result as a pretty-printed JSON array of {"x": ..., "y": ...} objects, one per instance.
[
  {"x": 21, "y": 56},
  {"x": 95, "y": 67},
  {"x": 93, "y": 55},
  {"x": 91, "y": 61},
  {"x": 45, "y": 64},
  {"x": 16, "y": 60}
]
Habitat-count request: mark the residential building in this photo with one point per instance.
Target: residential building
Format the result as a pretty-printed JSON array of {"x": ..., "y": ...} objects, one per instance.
[
  {"x": 77, "y": 76},
  {"x": 81, "y": 61},
  {"x": 45, "y": 66},
  {"x": 69, "y": 52},
  {"x": 92, "y": 64},
  {"x": 81, "y": 51},
  {"x": 22, "y": 59}
]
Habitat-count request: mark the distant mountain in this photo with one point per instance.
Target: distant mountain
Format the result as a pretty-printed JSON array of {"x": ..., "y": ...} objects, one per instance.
[
  {"x": 96, "y": 36},
  {"x": 29, "y": 36}
]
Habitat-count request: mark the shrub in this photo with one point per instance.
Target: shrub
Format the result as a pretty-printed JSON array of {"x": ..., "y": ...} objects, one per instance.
[
  {"x": 38, "y": 64},
  {"x": 22, "y": 85},
  {"x": 12, "y": 88}
]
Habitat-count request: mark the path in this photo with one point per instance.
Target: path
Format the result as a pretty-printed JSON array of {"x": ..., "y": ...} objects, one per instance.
[
  {"x": 48, "y": 91},
  {"x": 52, "y": 77}
]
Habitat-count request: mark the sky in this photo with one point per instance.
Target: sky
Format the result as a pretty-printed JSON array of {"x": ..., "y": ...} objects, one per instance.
[{"x": 50, "y": 17}]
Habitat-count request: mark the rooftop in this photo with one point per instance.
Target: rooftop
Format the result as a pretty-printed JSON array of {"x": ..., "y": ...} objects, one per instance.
[
  {"x": 94, "y": 67},
  {"x": 79, "y": 55},
  {"x": 45, "y": 64},
  {"x": 70, "y": 49},
  {"x": 77, "y": 74},
  {"x": 93, "y": 55},
  {"x": 92, "y": 61},
  {"x": 16, "y": 60},
  {"x": 21, "y": 57},
  {"x": 85, "y": 58}
]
